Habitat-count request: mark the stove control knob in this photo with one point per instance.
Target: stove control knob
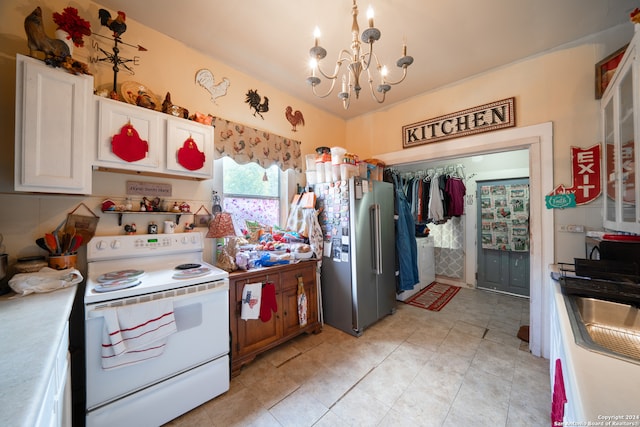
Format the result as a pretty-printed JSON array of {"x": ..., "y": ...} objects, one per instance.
[
  {"x": 185, "y": 240},
  {"x": 115, "y": 244},
  {"x": 101, "y": 245}
]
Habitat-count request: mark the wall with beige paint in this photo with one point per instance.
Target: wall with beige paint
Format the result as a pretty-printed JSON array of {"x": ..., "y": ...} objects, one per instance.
[
  {"x": 167, "y": 66},
  {"x": 555, "y": 87}
]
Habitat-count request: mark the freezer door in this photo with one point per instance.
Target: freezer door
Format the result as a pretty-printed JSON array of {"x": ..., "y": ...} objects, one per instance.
[
  {"x": 386, "y": 279},
  {"x": 363, "y": 255},
  {"x": 373, "y": 243}
]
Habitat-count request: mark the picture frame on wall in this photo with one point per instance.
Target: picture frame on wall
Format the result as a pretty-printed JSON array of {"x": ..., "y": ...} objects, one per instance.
[{"x": 606, "y": 68}]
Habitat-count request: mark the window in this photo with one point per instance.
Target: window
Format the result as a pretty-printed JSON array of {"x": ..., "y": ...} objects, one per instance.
[{"x": 251, "y": 192}]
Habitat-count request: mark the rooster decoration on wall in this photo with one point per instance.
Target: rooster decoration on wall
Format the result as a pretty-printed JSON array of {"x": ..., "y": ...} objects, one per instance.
[
  {"x": 294, "y": 118},
  {"x": 255, "y": 102},
  {"x": 205, "y": 79}
]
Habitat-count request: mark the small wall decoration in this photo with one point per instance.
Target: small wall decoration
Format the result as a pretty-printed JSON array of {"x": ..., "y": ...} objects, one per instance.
[
  {"x": 587, "y": 184},
  {"x": 483, "y": 118},
  {"x": 151, "y": 189},
  {"x": 294, "y": 118},
  {"x": 127, "y": 144},
  {"x": 205, "y": 79},
  {"x": 202, "y": 219},
  {"x": 606, "y": 68},
  {"x": 189, "y": 156},
  {"x": 256, "y": 103}
]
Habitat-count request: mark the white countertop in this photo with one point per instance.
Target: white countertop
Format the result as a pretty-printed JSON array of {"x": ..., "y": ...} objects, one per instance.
[
  {"x": 603, "y": 386},
  {"x": 31, "y": 328}
]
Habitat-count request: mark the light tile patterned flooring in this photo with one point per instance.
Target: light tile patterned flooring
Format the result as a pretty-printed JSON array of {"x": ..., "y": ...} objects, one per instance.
[{"x": 462, "y": 366}]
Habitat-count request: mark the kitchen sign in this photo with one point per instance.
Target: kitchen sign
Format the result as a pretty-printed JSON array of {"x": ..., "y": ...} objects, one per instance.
[
  {"x": 151, "y": 189},
  {"x": 484, "y": 118}
]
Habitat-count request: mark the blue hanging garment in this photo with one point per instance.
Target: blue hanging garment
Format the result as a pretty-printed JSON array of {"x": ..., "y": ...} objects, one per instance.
[{"x": 406, "y": 246}]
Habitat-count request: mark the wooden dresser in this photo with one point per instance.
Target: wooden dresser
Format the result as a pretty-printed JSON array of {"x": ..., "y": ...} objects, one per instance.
[{"x": 252, "y": 337}]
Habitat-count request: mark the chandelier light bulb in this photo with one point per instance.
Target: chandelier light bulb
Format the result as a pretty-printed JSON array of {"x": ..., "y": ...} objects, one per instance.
[
  {"x": 316, "y": 35},
  {"x": 370, "y": 16}
]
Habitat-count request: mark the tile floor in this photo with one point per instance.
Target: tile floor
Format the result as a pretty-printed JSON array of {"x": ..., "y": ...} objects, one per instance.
[{"x": 462, "y": 366}]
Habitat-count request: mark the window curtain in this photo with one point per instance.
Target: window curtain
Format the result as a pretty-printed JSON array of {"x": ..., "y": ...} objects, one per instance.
[{"x": 244, "y": 144}]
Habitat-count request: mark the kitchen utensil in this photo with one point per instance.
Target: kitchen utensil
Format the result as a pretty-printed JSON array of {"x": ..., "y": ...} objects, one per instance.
[
  {"x": 42, "y": 244},
  {"x": 51, "y": 243},
  {"x": 76, "y": 242}
]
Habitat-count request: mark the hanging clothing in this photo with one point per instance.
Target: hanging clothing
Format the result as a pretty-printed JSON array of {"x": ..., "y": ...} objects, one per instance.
[
  {"x": 406, "y": 246},
  {"x": 456, "y": 190},
  {"x": 436, "y": 209}
]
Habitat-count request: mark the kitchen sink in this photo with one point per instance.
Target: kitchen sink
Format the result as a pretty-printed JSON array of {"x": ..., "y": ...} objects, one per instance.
[{"x": 606, "y": 327}]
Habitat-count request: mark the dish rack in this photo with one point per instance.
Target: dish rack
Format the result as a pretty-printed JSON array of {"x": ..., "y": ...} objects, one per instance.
[{"x": 609, "y": 280}]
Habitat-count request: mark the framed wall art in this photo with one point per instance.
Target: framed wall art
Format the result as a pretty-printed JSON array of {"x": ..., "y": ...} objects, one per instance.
[{"x": 606, "y": 68}]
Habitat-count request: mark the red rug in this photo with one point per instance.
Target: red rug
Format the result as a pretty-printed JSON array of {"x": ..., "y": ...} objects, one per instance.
[{"x": 434, "y": 297}]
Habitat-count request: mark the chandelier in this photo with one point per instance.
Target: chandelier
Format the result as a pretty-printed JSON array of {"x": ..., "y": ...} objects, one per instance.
[{"x": 356, "y": 63}]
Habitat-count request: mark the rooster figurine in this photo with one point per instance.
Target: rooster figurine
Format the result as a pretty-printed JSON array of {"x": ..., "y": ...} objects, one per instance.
[
  {"x": 294, "y": 118},
  {"x": 55, "y": 51},
  {"x": 205, "y": 79},
  {"x": 254, "y": 101},
  {"x": 116, "y": 25}
]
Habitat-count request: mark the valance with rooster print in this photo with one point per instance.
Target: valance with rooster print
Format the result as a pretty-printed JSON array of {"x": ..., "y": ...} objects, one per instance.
[{"x": 244, "y": 144}]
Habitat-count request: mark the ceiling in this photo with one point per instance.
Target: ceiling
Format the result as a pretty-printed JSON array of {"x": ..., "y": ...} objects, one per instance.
[{"x": 450, "y": 40}]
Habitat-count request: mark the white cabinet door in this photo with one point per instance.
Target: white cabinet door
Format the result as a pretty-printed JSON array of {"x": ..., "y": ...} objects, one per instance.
[
  {"x": 113, "y": 116},
  {"x": 620, "y": 129},
  {"x": 52, "y": 122},
  {"x": 185, "y": 141}
]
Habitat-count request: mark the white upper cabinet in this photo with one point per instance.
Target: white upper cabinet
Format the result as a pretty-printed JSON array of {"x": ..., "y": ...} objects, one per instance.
[
  {"x": 129, "y": 137},
  {"x": 189, "y": 148},
  {"x": 52, "y": 137},
  {"x": 132, "y": 138},
  {"x": 620, "y": 127}
]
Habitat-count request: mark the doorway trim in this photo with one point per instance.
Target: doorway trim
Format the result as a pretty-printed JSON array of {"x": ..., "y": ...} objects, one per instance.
[{"x": 538, "y": 139}]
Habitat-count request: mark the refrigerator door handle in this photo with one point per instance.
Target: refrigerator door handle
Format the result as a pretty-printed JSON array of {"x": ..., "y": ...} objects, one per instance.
[{"x": 376, "y": 232}]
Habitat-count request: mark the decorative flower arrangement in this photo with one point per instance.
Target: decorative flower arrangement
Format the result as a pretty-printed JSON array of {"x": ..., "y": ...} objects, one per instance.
[{"x": 72, "y": 23}]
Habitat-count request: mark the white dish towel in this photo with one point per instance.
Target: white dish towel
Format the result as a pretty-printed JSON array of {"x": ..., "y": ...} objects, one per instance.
[
  {"x": 251, "y": 296},
  {"x": 135, "y": 333}
]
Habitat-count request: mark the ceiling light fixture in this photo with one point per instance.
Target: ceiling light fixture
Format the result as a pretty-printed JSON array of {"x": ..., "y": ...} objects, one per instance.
[{"x": 356, "y": 62}]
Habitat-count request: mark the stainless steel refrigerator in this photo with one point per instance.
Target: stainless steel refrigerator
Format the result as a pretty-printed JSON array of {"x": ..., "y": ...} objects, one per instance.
[{"x": 358, "y": 281}]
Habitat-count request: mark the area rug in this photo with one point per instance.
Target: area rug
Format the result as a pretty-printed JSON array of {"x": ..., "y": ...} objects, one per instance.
[{"x": 434, "y": 297}]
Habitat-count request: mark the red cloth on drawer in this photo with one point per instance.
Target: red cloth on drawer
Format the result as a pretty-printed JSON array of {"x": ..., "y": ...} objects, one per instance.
[
  {"x": 269, "y": 302},
  {"x": 559, "y": 396}
]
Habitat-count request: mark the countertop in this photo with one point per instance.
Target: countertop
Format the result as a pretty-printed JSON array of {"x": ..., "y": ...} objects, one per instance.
[
  {"x": 602, "y": 386},
  {"x": 31, "y": 328}
]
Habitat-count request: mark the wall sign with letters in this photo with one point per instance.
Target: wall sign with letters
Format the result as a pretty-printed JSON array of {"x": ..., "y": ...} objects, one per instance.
[
  {"x": 484, "y": 118},
  {"x": 587, "y": 184}
]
